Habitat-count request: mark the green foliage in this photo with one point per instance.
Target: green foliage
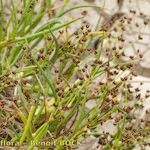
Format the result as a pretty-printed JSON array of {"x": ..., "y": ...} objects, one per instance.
[{"x": 41, "y": 72}]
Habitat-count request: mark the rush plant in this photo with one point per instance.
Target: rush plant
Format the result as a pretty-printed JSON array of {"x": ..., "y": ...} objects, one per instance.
[{"x": 49, "y": 74}]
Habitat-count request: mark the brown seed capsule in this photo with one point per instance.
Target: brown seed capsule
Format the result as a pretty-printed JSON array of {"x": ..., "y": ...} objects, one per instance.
[
  {"x": 148, "y": 91},
  {"x": 129, "y": 22},
  {"x": 56, "y": 71},
  {"x": 147, "y": 96},
  {"x": 76, "y": 33},
  {"x": 24, "y": 48},
  {"x": 89, "y": 30},
  {"x": 114, "y": 83},
  {"x": 146, "y": 21},
  {"x": 131, "y": 57},
  {"x": 123, "y": 54},
  {"x": 122, "y": 79},
  {"x": 125, "y": 78},
  {"x": 86, "y": 66},
  {"x": 138, "y": 96},
  {"x": 96, "y": 61},
  {"x": 123, "y": 28},
  {"x": 129, "y": 66},
  {"x": 83, "y": 70},
  {"x": 114, "y": 48},
  {"x": 141, "y": 55},
  {"x": 95, "y": 52},
  {"x": 115, "y": 29},
  {"x": 138, "y": 51},
  {"x": 82, "y": 27},
  {"x": 121, "y": 39},
  {"x": 87, "y": 76},
  {"x": 84, "y": 39},
  {"x": 84, "y": 13},
  {"x": 77, "y": 61},
  {"x": 120, "y": 47},
  {"x": 100, "y": 62},
  {"x": 123, "y": 68},
  {"x": 141, "y": 83},
  {"x": 115, "y": 72},
  {"x": 141, "y": 14},
  {"x": 96, "y": 43},
  {"x": 137, "y": 25},
  {"x": 137, "y": 90},
  {"x": 93, "y": 65},
  {"x": 140, "y": 37},
  {"x": 88, "y": 49},
  {"x": 61, "y": 31},
  {"x": 133, "y": 11},
  {"x": 87, "y": 26}
]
